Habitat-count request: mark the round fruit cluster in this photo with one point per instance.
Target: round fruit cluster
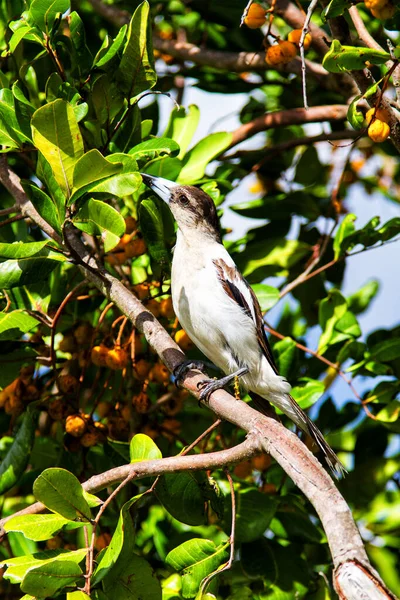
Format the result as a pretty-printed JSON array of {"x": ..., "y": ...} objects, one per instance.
[
  {"x": 284, "y": 51},
  {"x": 381, "y": 9},
  {"x": 378, "y": 128}
]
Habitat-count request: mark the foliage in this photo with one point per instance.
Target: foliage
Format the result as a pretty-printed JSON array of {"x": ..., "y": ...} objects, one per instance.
[{"x": 83, "y": 392}]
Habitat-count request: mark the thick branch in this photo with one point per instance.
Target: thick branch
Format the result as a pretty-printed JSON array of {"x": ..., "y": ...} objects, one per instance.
[
  {"x": 293, "y": 116},
  {"x": 173, "y": 464},
  {"x": 288, "y": 450}
]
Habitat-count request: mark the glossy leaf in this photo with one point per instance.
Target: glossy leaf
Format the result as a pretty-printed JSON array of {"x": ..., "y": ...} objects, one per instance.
[
  {"x": 153, "y": 148},
  {"x": 355, "y": 116},
  {"x": 109, "y": 50},
  {"x": 386, "y": 351},
  {"x": 182, "y": 497},
  {"x": 267, "y": 295},
  {"x": 49, "y": 578},
  {"x": 182, "y": 126},
  {"x": 196, "y": 161},
  {"x": 336, "y": 321},
  {"x": 196, "y": 559},
  {"x": 15, "y": 461},
  {"x": 14, "y": 324},
  {"x": 132, "y": 579},
  {"x": 78, "y": 595},
  {"x": 44, "y": 12},
  {"x": 142, "y": 447},
  {"x": 56, "y": 134},
  {"x": 81, "y": 53},
  {"x": 345, "y": 229},
  {"x": 335, "y": 8},
  {"x": 37, "y": 527},
  {"x": 135, "y": 72},
  {"x": 285, "y": 354},
  {"x": 99, "y": 218},
  {"x": 92, "y": 167},
  {"x": 32, "y": 262},
  {"x": 361, "y": 300},
  {"x": 113, "y": 551},
  {"x": 44, "y": 205},
  {"x": 306, "y": 395},
  {"x": 254, "y": 512},
  {"x": 20, "y": 566},
  {"x": 282, "y": 253},
  {"x": 60, "y": 491},
  {"x": 389, "y": 413},
  {"x": 152, "y": 227},
  {"x": 349, "y": 58},
  {"x": 14, "y": 120},
  {"x": 107, "y": 99}
]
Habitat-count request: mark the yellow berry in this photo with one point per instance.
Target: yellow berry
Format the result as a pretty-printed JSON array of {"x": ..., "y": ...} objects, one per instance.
[
  {"x": 386, "y": 12},
  {"x": 256, "y": 16},
  {"x": 261, "y": 462},
  {"x": 295, "y": 36},
  {"x": 117, "y": 358},
  {"x": 378, "y": 131},
  {"x": 380, "y": 113},
  {"x": 375, "y": 3},
  {"x": 159, "y": 373},
  {"x": 243, "y": 469},
  {"x": 99, "y": 355},
  {"x": 75, "y": 425},
  {"x": 280, "y": 54},
  {"x": 90, "y": 438},
  {"x": 141, "y": 402},
  {"x": 68, "y": 384},
  {"x": 142, "y": 369},
  {"x": 183, "y": 340},
  {"x": 166, "y": 308}
]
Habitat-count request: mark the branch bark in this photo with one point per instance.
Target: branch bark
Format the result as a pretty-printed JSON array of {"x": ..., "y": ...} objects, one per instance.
[
  {"x": 349, "y": 557},
  {"x": 293, "y": 116}
]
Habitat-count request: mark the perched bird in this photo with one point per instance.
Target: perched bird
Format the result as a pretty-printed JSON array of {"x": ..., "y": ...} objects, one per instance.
[{"x": 218, "y": 309}]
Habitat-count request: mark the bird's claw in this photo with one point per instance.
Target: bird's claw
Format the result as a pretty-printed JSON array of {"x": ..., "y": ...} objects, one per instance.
[
  {"x": 181, "y": 370},
  {"x": 207, "y": 387}
]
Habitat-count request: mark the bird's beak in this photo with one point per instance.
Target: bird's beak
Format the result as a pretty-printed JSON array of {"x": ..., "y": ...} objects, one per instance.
[{"x": 162, "y": 187}]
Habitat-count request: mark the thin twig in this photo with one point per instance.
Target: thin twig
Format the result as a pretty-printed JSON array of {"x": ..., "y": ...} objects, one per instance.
[
  {"x": 12, "y": 220},
  {"x": 8, "y": 211},
  {"x": 304, "y": 32}
]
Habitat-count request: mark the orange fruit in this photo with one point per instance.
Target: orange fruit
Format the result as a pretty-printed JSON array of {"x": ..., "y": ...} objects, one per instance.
[
  {"x": 256, "y": 16},
  {"x": 295, "y": 36},
  {"x": 99, "y": 355},
  {"x": 159, "y": 373},
  {"x": 117, "y": 358},
  {"x": 166, "y": 308},
  {"x": 243, "y": 469},
  {"x": 183, "y": 340},
  {"x": 130, "y": 224},
  {"x": 380, "y": 113},
  {"x": 142, "y": 369},
  {"x": 68, "y": 383},
  {"x": 75, "y": 425},
  {"x": 261, "y": 462},
  {"x": 280, "y": 54},
  {"x": 378, "y": 131}
]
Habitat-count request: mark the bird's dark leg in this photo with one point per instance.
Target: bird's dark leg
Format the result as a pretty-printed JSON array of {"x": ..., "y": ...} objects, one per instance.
[
  {"x": 208, "y": 386},
  {"x": 180, "y": 371}
]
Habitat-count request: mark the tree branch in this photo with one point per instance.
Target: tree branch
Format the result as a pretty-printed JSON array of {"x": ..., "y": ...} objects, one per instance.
[
  {"x": 293, "y": 116},
  {"x": 302, "y": 467}
]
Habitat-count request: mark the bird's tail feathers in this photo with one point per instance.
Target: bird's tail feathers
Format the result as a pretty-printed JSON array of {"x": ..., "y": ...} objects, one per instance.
[{"x": 307, "y": 425}]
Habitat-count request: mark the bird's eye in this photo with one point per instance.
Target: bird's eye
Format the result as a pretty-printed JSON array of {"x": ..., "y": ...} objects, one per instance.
[{"x": 183, "y": 200}]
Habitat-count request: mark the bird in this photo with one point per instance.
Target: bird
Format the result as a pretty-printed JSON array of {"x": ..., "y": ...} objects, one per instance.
[{"x": 220, "y": 312}]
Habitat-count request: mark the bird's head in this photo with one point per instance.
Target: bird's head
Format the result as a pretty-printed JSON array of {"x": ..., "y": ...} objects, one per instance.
[{"x": 193, "y": 209}]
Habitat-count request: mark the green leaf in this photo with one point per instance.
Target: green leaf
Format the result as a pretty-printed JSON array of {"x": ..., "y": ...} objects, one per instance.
[
  {"x": 99, "y": 218},
  {"x": 308, "y": 169},
  {"x": 142, "y": 447},
  {"x": 45, "y": 12},
  {"x": 114, "y": 549},
  {"x": 182, "y": 126},
  {"x": 254, "y": 511},
  {"x": 107, "y": 99},
  {"x": 334, "y": 9},
  {"x": 132, "y": 579},
  {"x": 345, "y": 229},
  {"x": 386, "y": 351},
  {"x": 37, "y": 527},
  {"x": 389, "y": 413},
  {"x": 348, "y": 58},
  {"x": 135, "y": 72},
  {"x": 196, "y": 161},
  {"x": 196, "y": 558},
  {"x": 285, "y": 353},
  {"x": 20, "y": 566},
  {"x": 91, "y": 167},
  {"x": 14, "y": 120},
  {"x": 32, "y": 262},
  {"x": 15, "y": 323},
  {"x": 153, "y": 148},
  {"x": 267, "y": 295},
  {"x": 109, "y": 50},
  {"x": 279, "y": 252},
  {"x": 355, "y": 116},
  {"x": 51, "y": 577},
  {"x": 60, "y": 491},
  {"x": 257, "y": 560},
  {"x": 13, "y": 361},
  {"x": 44, "y": 205},
  {"x": 78, "y": 595},
  {"x": 15, "y": 461},
  {"x": 306, "y": 395},
  {"x": 57, "y": 136},
  {"x": 82, "y": 58},
  {"x": 152, "y": 227},
  {"x": 361, "y": 300},
  {"x": 183, "y": 497},
  {"x": 336, "y": 321}
]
